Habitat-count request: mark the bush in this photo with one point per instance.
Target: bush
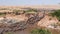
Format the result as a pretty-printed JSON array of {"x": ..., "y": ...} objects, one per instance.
[
  {"x": 57, "y": 14},
  {"x": 1, "y": 14},
  {"x": 40, "y": 31},
  {"x": 4, "y": 8},
  {"x": 9, "y": 33},
  {"x": 16, "y": 10},
  {"x": 31, "y": 11}
]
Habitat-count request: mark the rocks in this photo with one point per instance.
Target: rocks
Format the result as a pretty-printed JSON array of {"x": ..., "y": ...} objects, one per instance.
[
  {"x": 8, "y": 20},
  {"x": 7, "y": 29},
  {"x": 34, "y": 19},
  {"x": 14, "y": 27},
  {"x": 12, "y": 24},
  {"x": 29, "y": 15},
  {"x": 1, "y": 31},
  {"x": 18, "y": 26}
]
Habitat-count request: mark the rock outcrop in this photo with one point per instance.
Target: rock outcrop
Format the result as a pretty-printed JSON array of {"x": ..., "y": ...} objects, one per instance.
[{"x": 15, "y": 25}]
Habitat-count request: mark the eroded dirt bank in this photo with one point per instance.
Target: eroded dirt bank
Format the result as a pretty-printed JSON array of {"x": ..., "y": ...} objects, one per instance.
[
  {"x": 19, "y": 23},
  {"x": 23, "y": 23}
]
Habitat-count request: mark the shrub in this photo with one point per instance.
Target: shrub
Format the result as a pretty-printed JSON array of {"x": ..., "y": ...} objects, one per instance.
[
  {"x": 40, "y": 31},
  {"x": 1, "y": 14},
  {"x": 31, "y": 11},
  {"x": 16, "y": 10},
  {"x": 57, "y": 14},
  {"x": 4, "y": 8},
  {"x": 9, "y": 33}
]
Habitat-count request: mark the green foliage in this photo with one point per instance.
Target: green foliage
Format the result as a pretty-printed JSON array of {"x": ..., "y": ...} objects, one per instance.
[
  {"x": 4, "y": 8},
  {"x": 16, "y": 10},
  {"x": 27, "y": 11},
  {"x": 31, "y": 11},
  {"x": 1, "y": 14},
  {"x": 9, "y": 33},
  {"x": 57, "y": 14},
  {"x": 40, "y": 31}
]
